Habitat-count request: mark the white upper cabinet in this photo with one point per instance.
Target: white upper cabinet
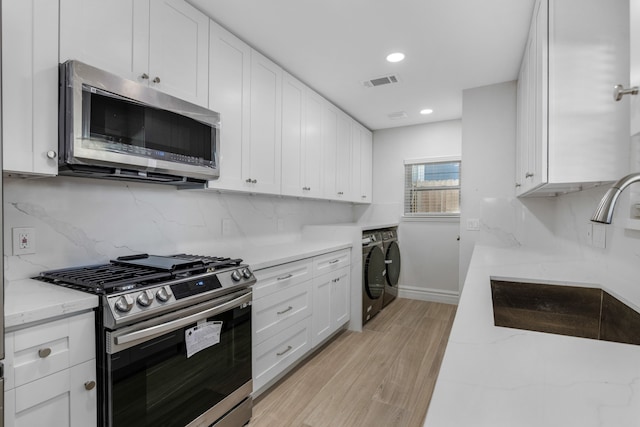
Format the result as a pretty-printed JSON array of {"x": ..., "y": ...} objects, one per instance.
[
  {"x": 336, "y": 142},
  {"x": 229, "y": 95},
  {"x": 30, "y": 86},
  {"x": 301, "y": 139},
  {"x": 571, "y": 133},
  {"x": 163, "y": 42},
  {"x": 246, "y": 89}
]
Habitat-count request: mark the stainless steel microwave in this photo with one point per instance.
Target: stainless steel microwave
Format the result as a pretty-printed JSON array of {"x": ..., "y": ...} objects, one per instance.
[{"x": 114, "y": 128}]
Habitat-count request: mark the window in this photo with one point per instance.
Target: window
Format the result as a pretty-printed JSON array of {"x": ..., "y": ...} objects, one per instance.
[{"x": 432, "y": 187}]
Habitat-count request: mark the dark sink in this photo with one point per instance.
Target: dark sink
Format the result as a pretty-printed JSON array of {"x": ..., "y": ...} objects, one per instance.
[{"x": 564, "y": 310}]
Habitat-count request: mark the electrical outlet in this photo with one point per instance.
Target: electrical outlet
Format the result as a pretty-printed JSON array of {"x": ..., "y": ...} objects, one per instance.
[
  {"x": 473, "y": 224},
  {"x": 24, "y": 240}
]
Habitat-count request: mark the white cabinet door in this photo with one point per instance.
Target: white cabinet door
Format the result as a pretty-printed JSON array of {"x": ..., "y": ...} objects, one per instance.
[
  {"x": 30, "y": 86},
  {"x": 263, "y": 159},
  {"x": 229, "y": 95},
  {"x": 110, "y": 35},
  {"x": 362, "y": 157},
  {"x": 330, "y": 149},
  {"x": 68, "y": 397},
  {"x": 366, "y": 160},
  {"x": 340, "y": 293},
  {"x": 293, "y": 136},
  {"x": 312, "y": 148},
  {"x": 344, "y": 159},
  {"x": 321, "y": 317},
  {"x": 83, "y": 394},
  {"x": 179, "y": 50}
]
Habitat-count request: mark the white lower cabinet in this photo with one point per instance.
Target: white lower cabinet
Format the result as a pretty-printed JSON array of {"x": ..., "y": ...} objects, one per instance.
[
  {"x": 296, "y": 307},
  {"x": 50, "y": 372}
]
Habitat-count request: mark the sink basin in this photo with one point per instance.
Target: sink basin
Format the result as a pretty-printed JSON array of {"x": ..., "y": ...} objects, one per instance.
[{"x": 564, "y": 310}]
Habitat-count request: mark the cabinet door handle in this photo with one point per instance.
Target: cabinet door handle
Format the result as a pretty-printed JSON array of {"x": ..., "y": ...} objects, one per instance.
[
  {"x": 254, "y": 181},
  {"x": 52, "y": 154},
  {"x": 285, "y": 310},
  {"x": 340, "y": 193},
  {"x": 283, "y": 352},
  {"x": 528, "y": 175},
  {"x": 144, "y": 76},
  {"x": 44, "y": 352},
  {"x": 156, "y": 80},
  {"x": 288, "y": 276},
  {"x": 89, "y": 385},
  {"x": 518, "y": 185},
  {"x": 334, "y": 261}
]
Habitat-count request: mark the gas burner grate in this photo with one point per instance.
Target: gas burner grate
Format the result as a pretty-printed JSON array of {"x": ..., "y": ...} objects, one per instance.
[{"x": 101, "y": 278}]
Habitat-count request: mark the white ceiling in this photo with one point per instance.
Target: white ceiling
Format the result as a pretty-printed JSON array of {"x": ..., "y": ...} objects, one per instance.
[{"x": 334, "y": 45}]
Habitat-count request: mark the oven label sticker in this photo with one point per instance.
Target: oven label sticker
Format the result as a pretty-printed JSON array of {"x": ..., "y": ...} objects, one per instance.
[{"x": 202, "y": 336}]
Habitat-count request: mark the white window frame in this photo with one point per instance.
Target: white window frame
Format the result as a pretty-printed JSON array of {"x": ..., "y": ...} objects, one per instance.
[{"x": 440, "y": 217}]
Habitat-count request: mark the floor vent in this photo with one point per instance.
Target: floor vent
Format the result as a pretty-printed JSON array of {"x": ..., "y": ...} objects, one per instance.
[{"x": 381, "y": 81}]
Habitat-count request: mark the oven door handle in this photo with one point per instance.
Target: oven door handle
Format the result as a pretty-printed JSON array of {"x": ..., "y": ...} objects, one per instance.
[{"x": 184, "y": 321}]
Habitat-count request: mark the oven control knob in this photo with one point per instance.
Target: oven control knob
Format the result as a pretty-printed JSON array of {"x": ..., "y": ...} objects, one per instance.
[
  {"x": 163, "y": 295},
  {"x": 246, "y": 273},
  {"x": 124, "y": 303},
  {"x": 235, "y": 276},
  {"x": 145, "y": 299}
]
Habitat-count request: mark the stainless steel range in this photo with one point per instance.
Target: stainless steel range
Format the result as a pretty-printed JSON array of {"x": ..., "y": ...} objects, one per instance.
[{"x": 174, "y": 346}]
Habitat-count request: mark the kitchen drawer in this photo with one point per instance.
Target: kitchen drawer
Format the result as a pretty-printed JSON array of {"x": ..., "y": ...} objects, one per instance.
[
  {"x": 274, "y": 279},
  {"x": 277, "y": 353},
  {"x": 332, "y": 261},
  {"x": 276, "y": 312},
  {"x": 41, "y": 350}
]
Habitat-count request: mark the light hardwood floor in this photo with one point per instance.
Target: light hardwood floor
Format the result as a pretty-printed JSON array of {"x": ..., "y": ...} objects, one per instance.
[{"x": 383, "y": 376}]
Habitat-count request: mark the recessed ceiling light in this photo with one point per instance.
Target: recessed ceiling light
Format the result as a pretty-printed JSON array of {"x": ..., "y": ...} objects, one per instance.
[
  {"x": 395, "y": 57},
  {"x": 426, "y": 111}
]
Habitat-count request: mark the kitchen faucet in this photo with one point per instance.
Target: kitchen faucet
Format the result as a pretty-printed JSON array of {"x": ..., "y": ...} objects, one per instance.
[{"x": 604, "y": 212}]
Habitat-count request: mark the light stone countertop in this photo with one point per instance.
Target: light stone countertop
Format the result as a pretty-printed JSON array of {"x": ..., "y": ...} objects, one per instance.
[
  {"x": 261, "y": 257},
  {"x": 493, "y": 376},
  {"x": 29, "y": 301}
]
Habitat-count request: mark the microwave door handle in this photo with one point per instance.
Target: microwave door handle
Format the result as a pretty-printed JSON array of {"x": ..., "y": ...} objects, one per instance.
[{"x": 182, "y": 322}]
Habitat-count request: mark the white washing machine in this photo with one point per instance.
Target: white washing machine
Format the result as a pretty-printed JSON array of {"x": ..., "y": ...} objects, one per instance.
[
  {"x": 392, "y": 262},
  {"x": 373, "y": 272}
]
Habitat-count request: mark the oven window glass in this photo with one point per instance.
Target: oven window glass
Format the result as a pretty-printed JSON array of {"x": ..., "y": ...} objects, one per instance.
[
  {"x": 155, "y": 384},
  {"x": 122, "y": 124}
]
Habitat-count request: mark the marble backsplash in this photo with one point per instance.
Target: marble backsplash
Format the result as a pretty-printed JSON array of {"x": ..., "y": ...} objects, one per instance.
[{"x": 81, "y": 221}]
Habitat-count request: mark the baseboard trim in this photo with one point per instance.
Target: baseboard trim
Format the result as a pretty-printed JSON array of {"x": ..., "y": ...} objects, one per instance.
[{"x": 428, "y": 294}]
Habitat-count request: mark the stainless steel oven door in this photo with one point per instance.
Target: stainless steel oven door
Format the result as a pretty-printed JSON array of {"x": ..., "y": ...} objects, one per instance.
[{"x": 158, "y": 374}]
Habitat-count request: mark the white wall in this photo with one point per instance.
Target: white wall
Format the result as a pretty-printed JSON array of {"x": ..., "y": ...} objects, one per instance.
[
  {"x": 429, "y": 248},
  {"x": 81, "y": 221}
]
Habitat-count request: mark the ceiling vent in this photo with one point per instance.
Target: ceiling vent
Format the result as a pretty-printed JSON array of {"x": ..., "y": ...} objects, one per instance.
[
  {"x": 381, "y": 81},
  {"x": 398, "y": 115}
]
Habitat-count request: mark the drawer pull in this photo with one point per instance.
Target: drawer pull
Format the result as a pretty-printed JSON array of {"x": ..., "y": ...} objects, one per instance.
[
  {"x": 283, "y": 352},
  {"x": 334, "y": 261},
  {"x": 285, "y": 310},
  {"x": 89, "y": 385},
  {"x": 44, "y": 352},
  {"x": 288, "y": 276}
]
